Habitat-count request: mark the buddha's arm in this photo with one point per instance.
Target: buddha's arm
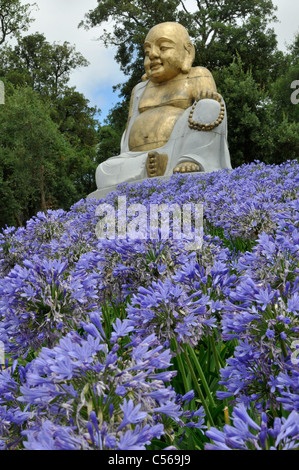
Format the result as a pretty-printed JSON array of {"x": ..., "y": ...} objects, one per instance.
[{"x": 203, "y": 81}]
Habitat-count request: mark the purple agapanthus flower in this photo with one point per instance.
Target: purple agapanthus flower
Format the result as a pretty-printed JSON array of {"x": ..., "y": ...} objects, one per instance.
[
  {"x": 248, "y": 434},
  {"x": 52, "y": 437},
  {"x": 170, "y": 312},
  {"x": 132, "y": 414},
  {"x": 92, "y": 321}
]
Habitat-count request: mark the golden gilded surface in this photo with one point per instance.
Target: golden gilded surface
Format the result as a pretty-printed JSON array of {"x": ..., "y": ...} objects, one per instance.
[
  {"x": 156, "y": 163},
  {"x": 173, "y": 85}
]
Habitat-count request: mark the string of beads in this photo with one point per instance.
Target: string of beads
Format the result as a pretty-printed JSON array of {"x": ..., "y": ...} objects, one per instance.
[{"x": 199, "y": 126}]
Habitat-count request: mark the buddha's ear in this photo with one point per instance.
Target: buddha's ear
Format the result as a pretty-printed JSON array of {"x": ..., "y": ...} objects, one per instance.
[{"x": 189, "y": 57}]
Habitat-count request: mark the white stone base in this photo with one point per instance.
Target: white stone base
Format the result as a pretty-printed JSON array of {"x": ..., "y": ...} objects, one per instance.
[{"x": 101, "y": 193}]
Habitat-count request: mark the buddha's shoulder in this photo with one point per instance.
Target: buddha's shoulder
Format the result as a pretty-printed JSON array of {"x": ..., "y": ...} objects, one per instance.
[{"x": 199, "y": 72}]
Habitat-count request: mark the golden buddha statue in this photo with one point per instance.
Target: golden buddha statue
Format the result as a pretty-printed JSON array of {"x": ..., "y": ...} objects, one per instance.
[{"x": 177, "y": 120}]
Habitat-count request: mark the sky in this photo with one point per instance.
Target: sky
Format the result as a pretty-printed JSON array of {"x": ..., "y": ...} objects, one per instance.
[{"x": 58, "y": 20}]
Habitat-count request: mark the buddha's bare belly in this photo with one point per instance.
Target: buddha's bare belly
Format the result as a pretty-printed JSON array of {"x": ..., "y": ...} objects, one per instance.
[{"x": 153, "y": 127}]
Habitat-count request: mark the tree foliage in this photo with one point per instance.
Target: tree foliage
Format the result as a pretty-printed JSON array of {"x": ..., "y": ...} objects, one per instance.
[
  {"x": 221, "y": 30},
  {"x": 77, "y": 121},
  {"x": 41, "y": 167},
  {"x": 109, "y": 143},
  {"x": 45, "y": 67},
  {"x": 49, "y": 132},
  {"x": 247, "y": 112},
  {"x": 14, "y": 18},
  {"x": 35, "y": 170},
  {"x": 281, "y": 90}
]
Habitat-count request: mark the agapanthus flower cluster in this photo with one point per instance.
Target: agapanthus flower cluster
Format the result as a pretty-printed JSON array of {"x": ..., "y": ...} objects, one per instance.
[
  {"x": 13, "y": 416},
  {"x": 274, "y": 259},
  {"x": 247, "y": 433},
  {"x": 93, "y": 328},
  {"x": 10, "y": 249},
  {"x": 287, "y": 383},
  {"x": 265, "y": 320},
  {"x": 84, "y": 394},
  {"x": 168, "y": 311},
  {"x": 116, "y": 268},
  {"x": 36, "y": 305}
]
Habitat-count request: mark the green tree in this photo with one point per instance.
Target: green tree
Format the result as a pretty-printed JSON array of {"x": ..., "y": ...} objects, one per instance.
[
  {"x": 261, "y": 126},
  {"x": 110, "y": 133},
  {"x": 75, "y": 118},
  {"x": 221, "y": 30},
  {"x": 77, "y": 121},
  {"x": 35, "y": 159},
  {"x": 248, "y": 112},
  {"x": 14, "y": 18},
  {"x": 109, "y": 143},
  {"x": 45, "y": 67},
  {"x": 285, "y": 141},
  {"x": 281, "y": 91},
  {"x": 285, "y": 109}
]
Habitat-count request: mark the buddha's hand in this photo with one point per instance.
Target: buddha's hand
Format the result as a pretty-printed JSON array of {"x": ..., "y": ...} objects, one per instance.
[
  {"x": 187, "y": 167},
  {"x": 156, "y": 164}
]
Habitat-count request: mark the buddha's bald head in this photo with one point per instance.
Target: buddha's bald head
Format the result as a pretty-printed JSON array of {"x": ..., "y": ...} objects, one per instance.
[
  {"x": 168, "y": 52},
  {"x": 172, "y": 28}
]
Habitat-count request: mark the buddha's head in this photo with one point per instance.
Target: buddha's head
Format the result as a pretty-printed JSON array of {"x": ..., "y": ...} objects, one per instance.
[{"x": 168, "y": 52}]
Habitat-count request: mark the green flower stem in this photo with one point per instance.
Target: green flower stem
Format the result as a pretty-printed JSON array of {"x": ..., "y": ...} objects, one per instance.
[
  {"x": 202, "y": 376},
  {"x": 216, "y": 355},
  {"x": 209, "y": 354},
  {"x": 219, "y": 364},
  {"x": 181, "y": 367},
  {"x": 198, "y": 389},
  {"x": 182, "y": 371},
  {"x": 284, "y": 348}
]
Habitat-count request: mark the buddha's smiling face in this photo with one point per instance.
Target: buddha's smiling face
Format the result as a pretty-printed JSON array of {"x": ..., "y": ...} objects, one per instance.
[{"x": 164, "y": 53}]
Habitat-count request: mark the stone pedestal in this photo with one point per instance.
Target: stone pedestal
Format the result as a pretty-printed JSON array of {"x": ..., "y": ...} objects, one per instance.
[{"x": 102, "y": 193}]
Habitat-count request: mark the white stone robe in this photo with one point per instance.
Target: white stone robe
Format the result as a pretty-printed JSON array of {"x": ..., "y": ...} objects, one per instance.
[{"x": 209, "y": 149}]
